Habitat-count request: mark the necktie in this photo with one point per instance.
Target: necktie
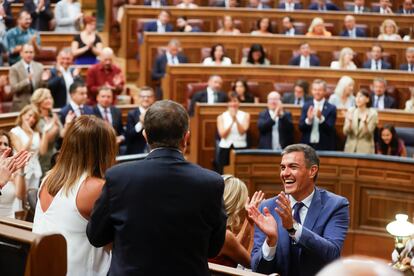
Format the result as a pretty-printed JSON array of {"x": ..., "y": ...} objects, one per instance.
[
  {"x": 410, "y": 67},
  {"x": 215, "y": 97},
  {"x": 376, "y": 65},
  {"x": 31, "y": 83},
  {"x": 298, "y": 101},
  {"x": 294, "y": 263},
  {"x": 81, "y": 109},
  {"x": 106, "y": 118},
  {"x": 376, "y": 100},
  {"x": 314, "y": 137}
]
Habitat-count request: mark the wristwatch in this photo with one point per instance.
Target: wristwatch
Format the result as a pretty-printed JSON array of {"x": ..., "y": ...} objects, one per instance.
[{"x": 295, "y": 227}]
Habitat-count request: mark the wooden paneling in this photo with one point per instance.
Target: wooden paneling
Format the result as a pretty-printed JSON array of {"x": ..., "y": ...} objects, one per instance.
[
  {"x": 373, "y": 201},
  {"x": 203, "y": 130},
  {"x": 178, "y": 76}
]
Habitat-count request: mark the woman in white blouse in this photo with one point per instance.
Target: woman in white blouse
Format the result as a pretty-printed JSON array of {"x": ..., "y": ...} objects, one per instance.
[
  {"x": 217, "y": 56},
  {"x": 232, "y": 126},
  {"x": 409, "y": 105},
  {"x": 345, "y": 60},
  {"x": 263, "y": 27},
  {"x": 389, "y": 30},
  {"x": 343, "y": 96}
]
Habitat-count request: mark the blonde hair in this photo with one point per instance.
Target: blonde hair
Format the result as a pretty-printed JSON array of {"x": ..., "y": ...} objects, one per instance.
[
  {"x": 342, "y": 55},
  {"x": 316, "y": 21},
  {"x": 27, "y": 108},
  {"x": 388, "y": 22},
  {"x": 342, "y": 84},
  {"x": 39, "y": 96},
  {"x": 235, "y": 197},
  {"x": 89, "y": 146}
]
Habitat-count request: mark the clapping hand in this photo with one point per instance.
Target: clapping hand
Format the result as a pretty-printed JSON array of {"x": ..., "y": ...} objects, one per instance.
[
  {"x": 310, "y": 113},
  {"x": 9, "y": 165},
  {"x": 117, "y": 79},
  {"x": 319, "y": 114},
  {"x": 257, "y": 198},
  {"x": 69, "y": 117},
  {"x": 45, "y": 75},
  {"x": 284, "y": 210},
  {"x": 265, "y": 222}
]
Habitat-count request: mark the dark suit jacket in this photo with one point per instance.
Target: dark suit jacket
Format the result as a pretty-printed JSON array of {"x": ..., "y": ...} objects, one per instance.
[
  {"x": 385, "y": 65},
  {"x": 359, "y": 33},
  {"x": 401, "y": 11},
  {"x": 297, "y": 6},
  {"x": 329, "y": 7},
  {"x": 40, "y": 21},
  {"x": 88, "y": 110},
  {"x": 8, "y": 19},
  {"x": 135, "y": 142},
  {"x": 289, "y": 98},
  {"x": 116, "y": 118},
  {"x": 57, "y": 87},
  {"x": 152, "y": 27},
  {"x": 404, "y": 67},
  {"x": 148, "y": 3},
  {"x": 323, "y": 234},
  {"x": 314, "y": 60},
  {"x": 201, "y": 97},
  {"x": 352, "y": 8},
  {"x": 160, "y": 64},
  {"x": 389, "y": 101},
  {"x": 160, "y": 205},
  {"x": 265, "y": 125},
  {"x": 264, "y": 6},
  {"x": 326, "y": 129}
]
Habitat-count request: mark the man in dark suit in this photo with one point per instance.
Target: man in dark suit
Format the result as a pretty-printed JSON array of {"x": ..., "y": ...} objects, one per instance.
[
  {"x": 258, "y": 4},
  {"x": 171, "y": 56},
  {"x": 303, "y": 228},
  {"x": 212, "y": 94},
  {"x": 299, "y": 96},
  {"x": 162, "y": 24},
  {"x": 155, "y": 3},
  {"x": 376, "y": 62},
  {"x": 135, "y": 141},
  {"x": 379, "y": 98},
  {"x": 358, "y": 7},
  {"x": 407, "y": 7},
  {"x": 288, "y": 28},
  {"x": 160, "y": 205},
  {"x": 40, "y": 12},
  {"x": 350, "y": 28},
  {"x": 290, "y": 5},
  {"x": 305, "y": 59},
  {"x": 77, "y": 103},
  {"x": 409, "y": 55},
  {"x": 317, "y": 120},
  {"x": 61, "y": 77},
  {"x": 275, "y": 124},
  {"x": 385, "y": 7},
  {"x": 105, "y": 110},
  {"x": 322, "y": 5}
]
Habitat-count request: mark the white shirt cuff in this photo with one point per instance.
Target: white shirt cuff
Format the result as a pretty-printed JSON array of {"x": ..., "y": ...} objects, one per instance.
[
  {"x": 322, "y": 119},
  {"x": 308, "y": 122},
  {"x": 268, "y": 252},
  {"x": 138, "y": 127}
]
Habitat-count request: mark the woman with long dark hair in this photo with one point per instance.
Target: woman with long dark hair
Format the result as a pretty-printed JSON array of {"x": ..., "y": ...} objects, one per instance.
[
  {"x": 242, "y": 89},
  {"x": 217, "y": 56},
  {"x": 389, "y": 143},
  {"x": 256, "y": 56}
]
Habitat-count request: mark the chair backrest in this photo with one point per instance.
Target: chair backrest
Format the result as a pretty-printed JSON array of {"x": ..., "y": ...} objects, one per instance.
[
  {"x": 407, "y": 135},
  {"x": 388, "y": 57},
  {"x": 300, "y": 27},
  {"x": 192, "y": 88},
  {"x": 196, "y": 22},
  {"x": 47, "y": 55},
  {"x": 283, "y": 87}
]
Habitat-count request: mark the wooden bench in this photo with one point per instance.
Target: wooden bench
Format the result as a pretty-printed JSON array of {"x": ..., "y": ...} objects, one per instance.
[
  {"x": 376, "y": 187},
  {"x": 27, "y": 253},
  {"x": 175, "y": 82},
  {"x": 204, "y": 127}
]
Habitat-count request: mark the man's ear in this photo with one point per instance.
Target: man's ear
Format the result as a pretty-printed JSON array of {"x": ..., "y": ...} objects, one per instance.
[
  {"x": 145, "y": 135},
  {"x": 313, "y": 171}
]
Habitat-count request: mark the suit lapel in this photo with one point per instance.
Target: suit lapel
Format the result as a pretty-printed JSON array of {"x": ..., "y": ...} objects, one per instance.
[{"x": 314, "y": 210}]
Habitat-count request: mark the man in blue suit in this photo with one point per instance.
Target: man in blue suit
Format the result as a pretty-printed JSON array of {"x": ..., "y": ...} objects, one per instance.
[
  {"x": 322, "y": 5},
  {"x": 303, "y": 228},
  {"x": 162, "y": 24},
  {"x": 409, "y": 55},
  {"x": 305, "y": 59},
  {"x": 289, "y": 5},
  {"x": 407, "y": 7},
  {"x": 350, "y": 28},
  {"x": 317, "y": 120},
  {"x": 164, "y": 215},
  {"x": 275, "y": 124},
  {"x": 171, "y": 56},
  {"x": 376, "y": 62}
]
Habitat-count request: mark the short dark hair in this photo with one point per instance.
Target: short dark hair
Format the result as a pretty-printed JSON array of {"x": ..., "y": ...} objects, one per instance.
[
  {"x": 311, "y": 158},
  {"x": 256, "y": 48},
  {"x": 75, "y": 85},
  {"x": 303, "y": 84},
  {"x": 367, "y": 94},
  {"x": 377, "y": 45},
  {"x": 104, "y": 88},
  {"x": 165, "y": 124},
  {"x": 21, "y": 12}
]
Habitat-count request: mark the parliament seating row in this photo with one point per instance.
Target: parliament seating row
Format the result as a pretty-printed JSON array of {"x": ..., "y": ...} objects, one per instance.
[
  {"x": 211, "y": 16},
  {"x": 280, "y": 49},
  {"x": 377, "y": 187},
  {"x": 204, "y": 127},
  {"x": 268, "y": 78}
]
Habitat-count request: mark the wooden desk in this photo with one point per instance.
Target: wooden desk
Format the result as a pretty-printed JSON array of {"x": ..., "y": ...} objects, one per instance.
[
  {"x": 210, "y": 17},
  {"x": 203, "y": 127},
  {"x": 377, "y": 189},
  {"x": 278, "y": 47},
  {"x": 178, "y": 76},
  {"x": 57, "y": 39}
]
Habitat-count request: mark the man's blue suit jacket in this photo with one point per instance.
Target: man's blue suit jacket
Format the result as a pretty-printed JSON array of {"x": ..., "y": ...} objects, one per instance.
[
  {"x": 88, "y": 110},
  {"x": 359, "y": 33},
  {"x": 385, "y": 65},
  {"x": 135, "y": 141},
  {"x": 297, "y": 6},
  {"x": 152, "y": 27},
  {"x": 323, "y": 235},
  {"x": 329, "y": 7},
  {"x": 326, "y": 129},
  {"x": 160, "y": 65},
  {"x": 314, "y": 60},
  {"x": 265, "y": 125}
]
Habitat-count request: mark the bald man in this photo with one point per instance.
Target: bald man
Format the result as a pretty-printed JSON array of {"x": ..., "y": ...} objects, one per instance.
[
  {"x": 275, "y": 124},
  {"x": 105, "y": 73}
]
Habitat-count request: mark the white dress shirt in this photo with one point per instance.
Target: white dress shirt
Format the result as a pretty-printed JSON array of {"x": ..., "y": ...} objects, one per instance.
[
  {"x": 304, "y": 62},
  {"x": 76, "y": 108},
  {"x": 275, "y": 131},
  {"x": 210, "y": 95},
  {"x": 358, "y": 9},
  {"x": 171, "y": 59},
  {"x": 315, "y": 136},
  {"x": 290, "y": 32},
  {"x": 380, "y": 101},
  {"x": 289, "y": 6},
  {"x": 139, "y": 126},
  {"x": 67, "y": 76},
  {"x": 160, "y": 27},
  {"x": 376, "y": 64},
  {"x": 270, "y": 252}
]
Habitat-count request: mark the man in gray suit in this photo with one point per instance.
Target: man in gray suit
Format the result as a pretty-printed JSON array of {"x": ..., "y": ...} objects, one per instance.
[{"x": 25, "y": 77}]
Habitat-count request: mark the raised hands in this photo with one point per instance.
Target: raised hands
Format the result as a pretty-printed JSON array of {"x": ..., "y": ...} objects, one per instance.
[
  {"x": 265, "y": 222},
  {"x": 284, "y": 210},
  {"x": 310, "y": 113},
  {"x": 9, "y": 165},
  {"x": 257, "y": 198}
]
